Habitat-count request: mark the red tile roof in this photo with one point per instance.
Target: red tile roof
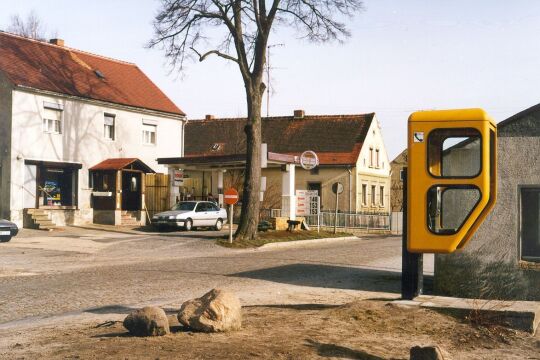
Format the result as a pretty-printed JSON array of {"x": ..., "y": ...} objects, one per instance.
[
  {"x": 43, "y": 66},
  {"x": 337, "y": 139},
  {"x": 115, "y": 164}
]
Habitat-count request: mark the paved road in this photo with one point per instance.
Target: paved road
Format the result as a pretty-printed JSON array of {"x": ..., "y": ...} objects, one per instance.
[{"x": 90, "y": 271}]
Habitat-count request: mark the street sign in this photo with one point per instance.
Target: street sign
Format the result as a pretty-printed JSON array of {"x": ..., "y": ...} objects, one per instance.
[
  {"x": 337, "y": 188},
  {"x": 309, "y": 160},
  {"x": 231, "y": 196}
]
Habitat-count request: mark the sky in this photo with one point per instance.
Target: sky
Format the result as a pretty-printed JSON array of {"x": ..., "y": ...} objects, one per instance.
[{"x": 403, "y": 56}]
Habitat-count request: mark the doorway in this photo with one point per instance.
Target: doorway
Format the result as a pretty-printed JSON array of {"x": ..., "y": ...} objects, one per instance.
[
  {"x": 316, "y": 186},
  {"x": 131, "y": 190}
]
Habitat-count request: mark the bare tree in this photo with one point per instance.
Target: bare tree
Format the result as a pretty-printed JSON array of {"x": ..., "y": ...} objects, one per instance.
[
  {"x": 238, "y": 31},
  {"x": 31, "y": 27}
]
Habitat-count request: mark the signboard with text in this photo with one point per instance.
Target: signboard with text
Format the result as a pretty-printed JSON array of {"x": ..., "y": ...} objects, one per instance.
[{"x": 307, "y": 202}]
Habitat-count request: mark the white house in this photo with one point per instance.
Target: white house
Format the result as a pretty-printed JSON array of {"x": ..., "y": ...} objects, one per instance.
[{"x": 64, "y": 111}]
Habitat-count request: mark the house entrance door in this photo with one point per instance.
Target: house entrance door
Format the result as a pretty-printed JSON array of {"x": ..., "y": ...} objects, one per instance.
[{"x": 131, "y": 191}]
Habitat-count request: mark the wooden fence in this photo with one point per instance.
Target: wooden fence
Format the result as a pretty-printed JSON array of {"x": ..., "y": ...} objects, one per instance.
[{"x": 157, "y": 193}]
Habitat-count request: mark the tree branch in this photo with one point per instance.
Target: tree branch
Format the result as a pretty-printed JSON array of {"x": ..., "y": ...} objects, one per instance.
[{"x": 215, "y": 52}]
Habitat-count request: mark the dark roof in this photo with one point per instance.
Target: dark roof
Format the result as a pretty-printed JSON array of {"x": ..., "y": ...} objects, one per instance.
[
  {"x": 116, "y": 164},
  {"x": 43, "y": 66},
  {"x": 337, "y": 139}
]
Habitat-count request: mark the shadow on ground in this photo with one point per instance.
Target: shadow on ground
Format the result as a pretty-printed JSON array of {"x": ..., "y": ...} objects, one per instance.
[
  {"x": 329, "y": 276},
  {"x": 336, "y": 351},
  {"x": 110, "y": 309}
]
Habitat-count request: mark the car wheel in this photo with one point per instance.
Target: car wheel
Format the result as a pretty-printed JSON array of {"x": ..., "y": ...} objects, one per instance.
[
  {"x": 188, "y": 225},
  {"x": 219, "y": 224}
]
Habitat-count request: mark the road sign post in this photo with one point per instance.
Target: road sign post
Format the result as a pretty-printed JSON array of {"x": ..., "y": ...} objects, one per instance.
[
  {"x": 230, "y": 197},
  {"x": 337, "y": 188}
]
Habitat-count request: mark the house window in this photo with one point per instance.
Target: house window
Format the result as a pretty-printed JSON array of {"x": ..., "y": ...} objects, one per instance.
[
  {"x": 370, "y": 157},
  {"x": 149, "y": 134},
  {"x": 373, "y": 197},
  {"x": 381, "y": 196},
  {"x": 52, "y": 121},
  {"x": 377, "y": 163},
  {"x": 530, "y": 224},
  {"x": 364, "y": 194},
  {"x": 401, "y": 175},
  {"x": 108, "y": 127}
]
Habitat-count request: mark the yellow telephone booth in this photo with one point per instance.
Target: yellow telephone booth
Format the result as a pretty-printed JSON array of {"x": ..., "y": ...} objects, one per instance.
[{"x": 451, "y": 177}]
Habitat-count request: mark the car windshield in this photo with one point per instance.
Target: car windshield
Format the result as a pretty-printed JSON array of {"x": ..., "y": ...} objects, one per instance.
[{"x": 185, "y": 206}]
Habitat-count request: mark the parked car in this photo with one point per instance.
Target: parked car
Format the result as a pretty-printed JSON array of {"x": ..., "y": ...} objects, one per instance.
[
  {"x": 7, "y": 230},
  {"x": 191, "y": 214}
]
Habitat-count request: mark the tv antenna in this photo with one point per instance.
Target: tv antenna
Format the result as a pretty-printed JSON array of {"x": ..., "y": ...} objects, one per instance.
[{"x": 268, "y": 76}]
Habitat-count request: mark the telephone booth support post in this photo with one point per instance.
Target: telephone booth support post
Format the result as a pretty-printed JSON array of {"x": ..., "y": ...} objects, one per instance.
[{"x": 412, "y": 264}]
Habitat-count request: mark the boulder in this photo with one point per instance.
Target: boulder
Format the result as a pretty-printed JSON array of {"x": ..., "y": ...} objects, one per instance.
[
  {"x": 432, "y": 352},
  {"x": 148, "y": 321},
  {"x": 216, "y": 311}
]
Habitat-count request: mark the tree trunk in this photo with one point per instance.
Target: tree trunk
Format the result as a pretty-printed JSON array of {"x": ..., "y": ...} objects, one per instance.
[{"x": 249, "y": 220}]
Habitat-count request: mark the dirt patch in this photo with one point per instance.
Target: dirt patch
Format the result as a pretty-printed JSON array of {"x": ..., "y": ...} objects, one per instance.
[
  {"x": 268, "y": 237},
  {"x": 367, "y": 329}
]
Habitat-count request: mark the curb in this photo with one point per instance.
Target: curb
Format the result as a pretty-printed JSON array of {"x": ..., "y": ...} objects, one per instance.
[{"x": 285, "y": 244}]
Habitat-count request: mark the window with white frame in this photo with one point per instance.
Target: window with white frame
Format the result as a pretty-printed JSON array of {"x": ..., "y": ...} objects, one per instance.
[
  {"x": 109, "y": 126},
  {"x": 381, "y": 196},
  {"x": 370, "y": 157},
  {"x": 52, "y": 121},
  {"x": 377, "y": 159},
  {"x": 149, "y": 134},
  {"x": 530, "y": 224}
]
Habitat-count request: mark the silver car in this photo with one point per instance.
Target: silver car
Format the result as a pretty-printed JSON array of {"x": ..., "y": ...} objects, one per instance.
[
  {"x": 191, "y": 214},
  {"x": 7, "y": 230}
]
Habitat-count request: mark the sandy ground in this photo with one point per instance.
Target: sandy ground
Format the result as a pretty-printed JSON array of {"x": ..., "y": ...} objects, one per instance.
[
  {"x": 367, "y": 329},
  {"x": 56, "y": 289}
]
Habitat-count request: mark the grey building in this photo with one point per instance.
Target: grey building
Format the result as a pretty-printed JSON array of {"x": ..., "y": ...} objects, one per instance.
[{"x": 503, "y": 258}]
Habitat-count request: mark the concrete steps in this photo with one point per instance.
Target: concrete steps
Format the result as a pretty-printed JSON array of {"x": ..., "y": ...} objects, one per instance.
[
  {"x": 41, "y": 219},
  {"x": 128, "y": 220}
]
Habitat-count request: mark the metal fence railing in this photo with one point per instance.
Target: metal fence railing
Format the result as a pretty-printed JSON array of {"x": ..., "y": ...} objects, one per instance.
[
  {"x": 361, "y": 221},
  {"x": 350, "y": 221}
]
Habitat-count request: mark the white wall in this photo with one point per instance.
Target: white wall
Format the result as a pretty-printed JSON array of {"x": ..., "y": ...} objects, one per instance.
[
  {"x": 82, "y": 139},
  {"x": 373, "y": 175}
]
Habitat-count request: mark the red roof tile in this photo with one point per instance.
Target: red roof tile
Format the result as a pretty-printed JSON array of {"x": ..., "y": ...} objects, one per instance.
[
  {"x": 43, "y": 66},
  {"x": 115, "y": 164},
  {"x": 337, "y": 139}
]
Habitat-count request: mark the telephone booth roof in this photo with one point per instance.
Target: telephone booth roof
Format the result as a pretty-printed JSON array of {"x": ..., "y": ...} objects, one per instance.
[{"x": 473, "y": 114}]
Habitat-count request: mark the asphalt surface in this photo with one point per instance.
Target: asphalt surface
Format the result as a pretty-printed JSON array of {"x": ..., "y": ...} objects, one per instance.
[{"x": 46, "y": 275}]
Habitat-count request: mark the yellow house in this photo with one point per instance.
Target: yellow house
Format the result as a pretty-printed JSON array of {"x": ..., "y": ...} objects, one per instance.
[{"x": 350, "y": 149}]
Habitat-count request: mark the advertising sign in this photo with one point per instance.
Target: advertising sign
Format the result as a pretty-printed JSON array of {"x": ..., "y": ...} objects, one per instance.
[
  {"x": 178, "y": 177},
  {"x": 307, "y": 202}
]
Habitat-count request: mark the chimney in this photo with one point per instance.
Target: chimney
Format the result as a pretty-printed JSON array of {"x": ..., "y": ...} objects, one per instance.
[
  {"x": 209, "y": 117},
  {"x": 59, "y": 42},
  {"x": 299, "y": 114}
]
